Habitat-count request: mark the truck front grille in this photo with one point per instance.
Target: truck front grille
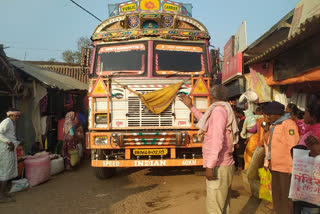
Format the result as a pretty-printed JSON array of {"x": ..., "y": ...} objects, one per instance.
[{"x": 140, "y": 116}]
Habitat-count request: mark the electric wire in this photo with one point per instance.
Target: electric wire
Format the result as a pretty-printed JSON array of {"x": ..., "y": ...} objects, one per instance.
[{"x": 85, "y": 10}]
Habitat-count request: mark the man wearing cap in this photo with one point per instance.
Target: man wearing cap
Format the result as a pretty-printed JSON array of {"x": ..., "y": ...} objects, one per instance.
[
  {"x": 283, "y": 136},
  {"x": 8, "y": 156}
]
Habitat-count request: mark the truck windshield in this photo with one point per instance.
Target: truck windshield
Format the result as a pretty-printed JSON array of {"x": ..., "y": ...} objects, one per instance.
[
  {"x": 122, "y": 60},
  {"x": 176, "y": 58}
]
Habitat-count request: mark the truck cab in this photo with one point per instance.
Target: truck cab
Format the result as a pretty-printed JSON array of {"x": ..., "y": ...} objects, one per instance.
[{"x": 140, "y": 51}]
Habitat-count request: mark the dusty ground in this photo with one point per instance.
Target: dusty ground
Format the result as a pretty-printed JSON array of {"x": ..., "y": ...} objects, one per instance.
[{"x": 138, "y": 190}]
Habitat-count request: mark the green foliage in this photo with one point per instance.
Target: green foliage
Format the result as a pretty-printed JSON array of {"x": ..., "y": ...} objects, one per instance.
[{"x": 75, "y": 56}]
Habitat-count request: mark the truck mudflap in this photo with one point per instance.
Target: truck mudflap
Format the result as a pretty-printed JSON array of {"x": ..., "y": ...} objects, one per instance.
[{"x": 147, "y": 163}]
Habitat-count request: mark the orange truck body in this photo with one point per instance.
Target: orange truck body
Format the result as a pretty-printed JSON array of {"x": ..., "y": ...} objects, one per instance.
[{"x": 144, "y": 51}]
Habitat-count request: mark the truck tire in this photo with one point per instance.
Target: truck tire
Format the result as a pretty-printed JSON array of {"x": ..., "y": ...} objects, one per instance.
[{"x": 104, "y": 172}]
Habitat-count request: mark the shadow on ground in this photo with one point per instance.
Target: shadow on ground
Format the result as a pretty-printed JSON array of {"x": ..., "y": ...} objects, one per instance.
[
  {"x": 251, "y": 206},
  {"x": 127, "y": 171},
  {"x": 79, "y": 192},
  {"x": 169, "y": 171}
]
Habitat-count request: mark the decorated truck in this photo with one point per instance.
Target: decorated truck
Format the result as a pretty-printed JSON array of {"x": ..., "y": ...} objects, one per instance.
[{"x": 144, "y": 55}]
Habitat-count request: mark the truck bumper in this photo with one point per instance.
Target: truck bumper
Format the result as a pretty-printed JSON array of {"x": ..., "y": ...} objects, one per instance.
[{"x": 147, "y": 163}]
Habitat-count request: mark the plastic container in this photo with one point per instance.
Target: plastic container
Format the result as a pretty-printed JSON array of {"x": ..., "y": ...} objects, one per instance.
[{"x": 37, "y": 169}]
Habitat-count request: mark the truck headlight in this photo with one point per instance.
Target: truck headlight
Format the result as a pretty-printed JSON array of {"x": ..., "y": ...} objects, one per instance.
[
  {"x": 195, "y": 138},
  {"x": 101, "y": 118},
  {"x": 101, "y": 140},
  {"x": 115, "y": 138}
]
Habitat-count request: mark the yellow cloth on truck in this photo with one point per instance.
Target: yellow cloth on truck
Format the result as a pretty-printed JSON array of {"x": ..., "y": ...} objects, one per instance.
[{"x": 159, "y": 100}]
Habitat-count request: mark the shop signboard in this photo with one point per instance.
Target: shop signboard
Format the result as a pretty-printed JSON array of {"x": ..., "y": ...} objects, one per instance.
[
  {"x": 128, "y": 7},
  {"x": 232, "y": 60},
  {"x": 304, "y": 10},
  {"x": 150, "y": 6},
  {"x": 232, "y": 64},
  {"x": 170, "y": 7},
  {"x": 240, "y": 39},
  {"x": 232, "y": 68},
  {"x": 228, "y": 49}
]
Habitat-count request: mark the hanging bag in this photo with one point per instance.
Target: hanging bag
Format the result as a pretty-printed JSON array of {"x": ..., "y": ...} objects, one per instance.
[
  {"x": 265, "y": 192},
  {"x": 305, "y": 179},
  {"x": 74, "y": 156}
]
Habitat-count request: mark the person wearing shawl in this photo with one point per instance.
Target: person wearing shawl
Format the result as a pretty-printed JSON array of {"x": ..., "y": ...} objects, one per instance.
[
  {"x": 310, "y": 141},
  {"x": 221, "y": 129},
  {"x": 68, "y": 141},
  {"x": 283, "y": 136},
  {"x": 8, "y": 155},
  {"x": 252, "y": 133}
]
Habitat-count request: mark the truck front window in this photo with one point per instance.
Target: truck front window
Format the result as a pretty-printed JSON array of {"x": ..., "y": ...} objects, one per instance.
[
  {"x": 177, "y": 58},
  {"x": 123, "y": 60}
]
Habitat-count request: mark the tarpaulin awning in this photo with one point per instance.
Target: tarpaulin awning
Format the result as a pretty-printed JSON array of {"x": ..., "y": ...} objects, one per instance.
[{"x": 49, "y": 78}]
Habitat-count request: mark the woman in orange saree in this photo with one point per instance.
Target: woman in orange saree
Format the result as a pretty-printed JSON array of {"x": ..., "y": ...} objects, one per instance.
[{"x": 253, "y": 142}]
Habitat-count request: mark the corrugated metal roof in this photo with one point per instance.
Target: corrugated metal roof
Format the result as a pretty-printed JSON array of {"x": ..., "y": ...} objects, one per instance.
[
  {"x": 275, "y": 34},
  {"x": 307, "y": 29},
  {"x": 70, "y": 69},
  {"x": 49, "y": 78},
  {"x": 74, "y": 72}
]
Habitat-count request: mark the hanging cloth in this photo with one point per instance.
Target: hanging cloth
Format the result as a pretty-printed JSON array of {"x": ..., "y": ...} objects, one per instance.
[{"x": 159, "y": 100}]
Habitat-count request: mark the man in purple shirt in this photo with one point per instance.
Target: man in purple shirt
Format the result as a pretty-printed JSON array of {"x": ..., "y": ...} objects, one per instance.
[{"x": 221, "y": 129}]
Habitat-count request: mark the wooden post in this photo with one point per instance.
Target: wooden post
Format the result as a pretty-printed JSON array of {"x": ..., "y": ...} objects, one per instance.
[{"x": 13, "y": 99}]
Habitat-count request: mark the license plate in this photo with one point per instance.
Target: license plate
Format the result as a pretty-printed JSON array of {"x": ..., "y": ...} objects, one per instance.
[{"x": 140, "y": 152}]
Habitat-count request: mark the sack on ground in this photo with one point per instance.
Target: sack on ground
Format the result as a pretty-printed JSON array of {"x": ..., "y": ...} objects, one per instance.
[
  {"x": 56, "y": 165},
  {"x": 305, "y": 177},
  {"x": 19, "y": 185},
  {"x": 265, "y": 184},
  {"x": 74, "y": 157},
  {"x": 37, "y": 169}
]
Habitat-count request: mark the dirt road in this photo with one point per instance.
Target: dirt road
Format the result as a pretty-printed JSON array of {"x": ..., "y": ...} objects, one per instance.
[{"x": 139, "y": 190}]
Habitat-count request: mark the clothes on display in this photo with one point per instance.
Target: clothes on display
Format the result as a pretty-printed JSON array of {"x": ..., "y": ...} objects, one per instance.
[{"x": 300, "y": 100}]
